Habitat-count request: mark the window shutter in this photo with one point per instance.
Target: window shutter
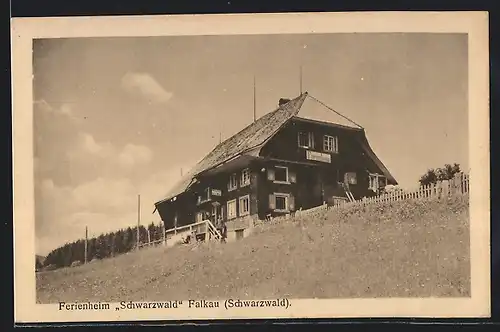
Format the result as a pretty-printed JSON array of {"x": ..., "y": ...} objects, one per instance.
[
  {"x": 270, "y": 174},
  {"x": 272, "y": 202},
  {"x": 292, "y": 177},
  {"x": 291, "y": 203}
]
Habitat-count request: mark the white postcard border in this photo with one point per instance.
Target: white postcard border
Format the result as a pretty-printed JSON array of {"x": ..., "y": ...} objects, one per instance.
[{"x": 24, "y": 30}]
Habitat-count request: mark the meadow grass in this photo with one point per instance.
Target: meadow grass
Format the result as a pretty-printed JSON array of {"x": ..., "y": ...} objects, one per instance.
[{"x": 413, "y": 248}]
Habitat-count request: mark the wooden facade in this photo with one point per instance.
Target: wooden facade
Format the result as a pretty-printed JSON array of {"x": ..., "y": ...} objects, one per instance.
[{"x": 303, "y": 164}]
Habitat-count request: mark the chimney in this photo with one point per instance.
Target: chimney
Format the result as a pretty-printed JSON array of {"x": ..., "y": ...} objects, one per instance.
[{"x": 283, "y": 101}]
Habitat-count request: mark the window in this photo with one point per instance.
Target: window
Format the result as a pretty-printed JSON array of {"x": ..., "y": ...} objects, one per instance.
[
  {"x": 382, "y": 181},
  {"x": 281, "y": 202},
  {"x": 239, "y": 234},
  {"x": 281, "y": 174},
  {"x": 231, "y": 209},
  {"x": 205, "y": 196},
  {"x": 376, "y": 182},
  {"x": 350, "y": 178},
  {"x": 373, "y": 182},
  {"x": 306, "y": 140},
  {"x": 245, "y": 178},
  {"x": 330, "y": 144},
  {"x": 232, "y": 184},
  {"x": 245, "y": 205}
]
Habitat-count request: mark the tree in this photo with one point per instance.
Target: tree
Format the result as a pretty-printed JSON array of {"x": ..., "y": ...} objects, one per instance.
[
  {"x": 118, "y": 243},
  {"x": 101, "y": 244},
  {"x": 432, "y": 176},
  {"x": 128, "y": 240},
  {"x": 448, "y": 172},
  {"x": 429, "y": 177}
]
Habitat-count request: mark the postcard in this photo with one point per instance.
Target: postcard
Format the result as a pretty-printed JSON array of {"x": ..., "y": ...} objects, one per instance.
[{"x": 251, "y": 166}]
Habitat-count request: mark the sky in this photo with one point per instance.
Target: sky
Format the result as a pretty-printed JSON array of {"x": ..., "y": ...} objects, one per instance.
[{"x": 118, "y": 117}]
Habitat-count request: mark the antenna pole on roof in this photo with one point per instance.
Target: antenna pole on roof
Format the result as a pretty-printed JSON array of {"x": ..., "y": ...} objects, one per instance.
[
  {"x": 254, "y": 101},
  {"x": 300, "y": 78}
]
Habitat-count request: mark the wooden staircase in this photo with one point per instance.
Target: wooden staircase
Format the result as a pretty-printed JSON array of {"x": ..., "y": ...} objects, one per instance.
[
  {"x": 212, "y": 232},
  {"x": 348, "y": 192}
]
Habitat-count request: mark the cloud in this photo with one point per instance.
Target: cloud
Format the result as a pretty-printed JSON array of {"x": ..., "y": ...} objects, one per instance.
[
  {"x": 65, "y": 110},
  {"x": 145, "y": 85},
  {"x": 88, "y": 144},
  {"x": 63, "y": 212},
  {"x": 105, "y": 155},
  {"x": 104, "y": 195},
  {"x": 103, "y": 205},
  {"x": 134, "y": 154}
]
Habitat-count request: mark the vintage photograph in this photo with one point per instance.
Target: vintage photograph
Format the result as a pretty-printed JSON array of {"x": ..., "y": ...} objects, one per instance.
[{"x": 246, "y": 170}]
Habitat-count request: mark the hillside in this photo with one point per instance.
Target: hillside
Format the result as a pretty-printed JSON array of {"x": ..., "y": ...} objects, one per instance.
[{"x": 411, "y": 248}]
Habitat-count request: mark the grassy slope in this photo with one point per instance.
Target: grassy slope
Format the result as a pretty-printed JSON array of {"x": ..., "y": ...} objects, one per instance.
[{"x": 412, "y": 248}]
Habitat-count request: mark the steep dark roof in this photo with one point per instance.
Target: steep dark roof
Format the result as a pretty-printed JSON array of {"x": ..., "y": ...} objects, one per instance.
[
  {"x": 247, "y": 141},
  {"x": 252, "y": 138}
]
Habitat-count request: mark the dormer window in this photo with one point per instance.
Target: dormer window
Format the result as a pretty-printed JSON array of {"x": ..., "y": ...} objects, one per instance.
[{"x": 306, "y": 140}]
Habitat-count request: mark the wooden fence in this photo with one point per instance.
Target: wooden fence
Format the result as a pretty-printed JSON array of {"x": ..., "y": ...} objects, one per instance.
[{"x": 457, "y": 186}]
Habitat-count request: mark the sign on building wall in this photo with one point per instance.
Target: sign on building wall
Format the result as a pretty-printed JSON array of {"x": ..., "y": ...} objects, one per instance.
[
  {"x": 216, "y": 192},
  {"x": 318, "y": 156}
]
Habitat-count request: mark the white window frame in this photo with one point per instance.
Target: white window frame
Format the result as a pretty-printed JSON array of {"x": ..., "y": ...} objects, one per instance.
[
  {"x": 287, "y": 180},
  {"x": 245, "y": 181},
  {"x": 330, "y": 144},
  {"x": 283, "y": 195},
  {"x": 230, "y": 216},
  {"x": 231, "y": 177},
  {"x": 310, "y": 140},
  {"x": 373, "y": 181},
  {"x": 241, "y": 205}
]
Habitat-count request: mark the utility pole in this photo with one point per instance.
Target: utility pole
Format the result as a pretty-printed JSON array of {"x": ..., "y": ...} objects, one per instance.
[
  {"x": 86, "y": 240},
  {"x": 254, "y": 101},
  {"x": 138, "y": 218}
]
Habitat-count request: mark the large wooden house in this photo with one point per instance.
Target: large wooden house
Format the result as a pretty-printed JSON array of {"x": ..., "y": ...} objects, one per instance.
[{"x": 284, "y": 161}]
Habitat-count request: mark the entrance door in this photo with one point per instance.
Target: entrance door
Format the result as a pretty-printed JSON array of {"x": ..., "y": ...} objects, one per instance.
[
  {"x": 330, "y": 179},
  {"x": 217, "y": 215},
  {"x": 310, "y": 191}
]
